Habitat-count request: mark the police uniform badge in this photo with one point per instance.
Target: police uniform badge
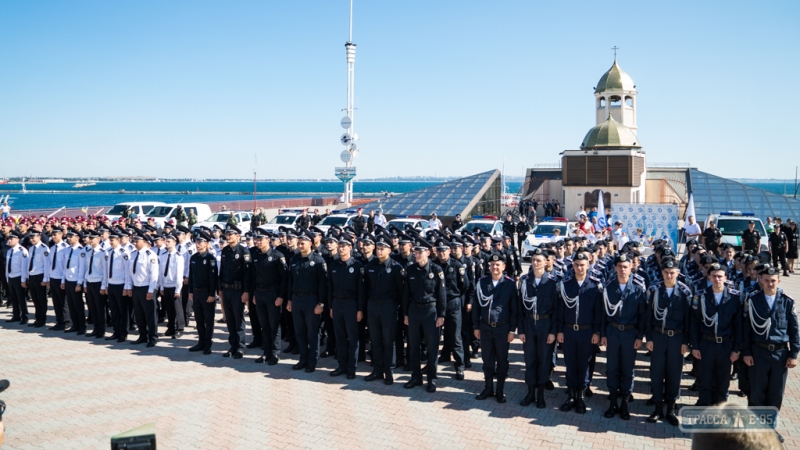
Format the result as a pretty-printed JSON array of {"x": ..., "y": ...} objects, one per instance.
[
  {"x": 269, "y": 258},
  {"x": 247, "y": 257},
  {"x": 125, "y": 257},
  {"x": 236, "y": 256},
  {"x": 389, "y": 270},
  {"x": 450, "y": 269},
  {"x": 461, "y": 271},
  {"x": 153, "y": 261},
  {"x": 213, "y": 262},
  {"x": 430, "y": 275},
  {"x": 441, "y": 275},
  {"x": 48, "y": 253},
  {"x": 352, "y": 270},
  {"x": 311, "y": 263},
  {"x": 204, "y": 262},
  {"x": 83, "y": 255}
]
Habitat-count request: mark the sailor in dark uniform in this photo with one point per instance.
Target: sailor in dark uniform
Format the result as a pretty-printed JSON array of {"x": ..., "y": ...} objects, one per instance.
[
  {"x": 497, "y": 313},
  {"x": 771, "y": 340},
  {"x": 579, "y": 317},
  {"x": 624, "y": 328},
  {"x": 667, "y": 339},
  {"x": 716, "y": 336},
  {"x": 537, "y": 329}
]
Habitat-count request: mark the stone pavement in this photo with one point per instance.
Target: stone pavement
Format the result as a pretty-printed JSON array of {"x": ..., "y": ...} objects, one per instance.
[{"x": 75, "y": 392}]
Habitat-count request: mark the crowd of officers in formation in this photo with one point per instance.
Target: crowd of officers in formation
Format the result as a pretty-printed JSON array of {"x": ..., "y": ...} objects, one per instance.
[{"x": 401, "y": 290}]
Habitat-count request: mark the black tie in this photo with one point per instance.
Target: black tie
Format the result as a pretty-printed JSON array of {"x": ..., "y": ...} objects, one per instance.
[
  {"x": 166, "y": 269},
  {"x": 55, "y": 256},
  {"x": 69, "y": 258},
  {"x": 111, "y": 266},
  {"x": 134, "y": 262},
  {"x": 91, "y": 260},
  {"x": 30, "y": 265}
]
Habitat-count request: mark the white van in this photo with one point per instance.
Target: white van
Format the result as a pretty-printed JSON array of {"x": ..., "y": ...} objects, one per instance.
[
  {"x": 141, "y": 209},
  {"x": 732, "y": 223},
  {"x": 163, "y": 213}
]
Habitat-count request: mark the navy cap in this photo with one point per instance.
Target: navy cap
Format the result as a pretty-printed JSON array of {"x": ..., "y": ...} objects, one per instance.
[
  {"x": 622, "y": 258},
  {"x": 367, "y": 239},
  {"x": 668, "y": 263},
  {"x": 183, "y": 229},
  {"x": 456, "y": 241},
  {"x": 306, "y": 235},
  {"x": 346, "y": 240},
  {"x": 422, "y": 244},
  {"x": 494, "y": 257},
  {"x": 539, "y": 252},
  {"x": 442, "y": 244},
  {"x": 708, "y": 259},
  {"x": 230, "y": 228},
  {"x": 14, "y": 234},
  {"x": 716, "y": 267},
  {"x": 581, "y": 256},
  {"x": 171, "y": 236},
  {"x": 202, "y": 236},
  {"x": 383, "y": 241},
  {"x": 769, "y": 270}
]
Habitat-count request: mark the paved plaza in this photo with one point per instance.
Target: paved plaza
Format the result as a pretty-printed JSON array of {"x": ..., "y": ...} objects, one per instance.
[{"x": 76, "y": 392}]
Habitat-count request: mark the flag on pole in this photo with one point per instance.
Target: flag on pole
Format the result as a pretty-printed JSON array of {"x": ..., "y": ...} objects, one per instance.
[
  {"x": 601, "y": 212},
  {"x": 85, "y": 209},
  {"x": 690, "y": 208}
]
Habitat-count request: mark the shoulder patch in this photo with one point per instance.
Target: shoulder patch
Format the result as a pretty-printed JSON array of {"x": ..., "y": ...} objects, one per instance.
[
  {"x": 441, "y": 275},
  {"x": 461, "y": 271},
  {"x": 247, "y": 257}
]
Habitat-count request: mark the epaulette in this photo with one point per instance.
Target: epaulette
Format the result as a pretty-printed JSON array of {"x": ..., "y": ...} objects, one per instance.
[
  {"x": 595, "y": 279},
  {"x": 637, "y": 277},
  {"x": 551, "y": 276},
  {"x": 640, "y": 283},
  {"x": 508, "y": 278},
  {"x": 567, "y": 278},
  {"x": 684, "y": 288},
  {"x": 734, "y": 291},
  {"x": 729, "y": 283},
  {"x": 147, "y": 252}
]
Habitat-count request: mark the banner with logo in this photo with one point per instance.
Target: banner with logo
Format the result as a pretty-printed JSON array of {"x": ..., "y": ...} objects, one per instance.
[{"x": 657, "y": 221}]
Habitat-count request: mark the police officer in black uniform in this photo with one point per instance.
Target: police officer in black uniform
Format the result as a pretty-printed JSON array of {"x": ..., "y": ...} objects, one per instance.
[
  {"x": 771, "y": 340},
  {"x": 625, "y": 304},
  {"x": 270, "y": 281},
  {"x": 537, "y": 328},
  {"x": 455, "y": 281},
  {"x": 234, "y": 280},
  {"x": 778, "y": 243},
  {"x": 667, "y": 339},
  {"x": 383, "y": 279},
  {"x": 712, "y": 237},
  {"x": 307, "y": 294},
  {"x": 716, "y": 336},
  {"x": 751, "y": 238},
  {"x": 424, "y": 304},
  {"x": 203, "y": 284},
  {"x": 497, "y": 312},
  {"x": 346, "y": 300},
  {"x": 522, "y": 229}
]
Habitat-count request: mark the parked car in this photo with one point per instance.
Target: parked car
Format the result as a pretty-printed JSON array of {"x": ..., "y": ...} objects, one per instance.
[
  {"x": 163, "y": 213},
  {"x": 419, "y": 224},
  {"x": 488, "y": 224},
  {"x": 732, "y": 223},
  {"x": 141, "y": 209},
  {"x": 542, "y": 233},
  {"x": 286, "y": 218},
  {"x": 341, "y": 218},
  {"x": 221, "y": 219}
]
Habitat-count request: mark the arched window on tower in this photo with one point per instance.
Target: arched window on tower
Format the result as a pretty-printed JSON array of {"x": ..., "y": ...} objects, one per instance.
[
  {"x": 602, "y": 102},
  {"x": 615, "y": 101},
  {"x": 629, "y": 102}
]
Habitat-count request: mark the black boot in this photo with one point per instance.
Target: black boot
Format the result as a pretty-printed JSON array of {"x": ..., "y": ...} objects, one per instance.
[
  {"x": 570, "y": 403},
  {"x": 613, "y": 409},
  {"x": 530, "y": 397},
  {"x": 488, "y": 389},
  {"x": 670, "y": 416},
  {"x": 624, "y": 414},
  {"x": 580, "y": 405},
  {"x": 540, "y": 403},
  {"x": 499, "y": 394},
  {"x": 658, "y": 414}
]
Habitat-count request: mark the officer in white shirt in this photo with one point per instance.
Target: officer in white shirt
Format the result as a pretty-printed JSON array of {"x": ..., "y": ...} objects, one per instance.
[
  {"x": 74, "y": 269},
  {"x": 380, "y": 219},
  {"x": 127, "y": 245},
  {"x": 170, "y": 282},
  {"x": 114, "y": 285},
  {"x": 54, "y": 277},
  {"x": 186, "y": 248},
  {"x": 94, "y": 280},
  {"x": 141, "y": 280},
  {"x": 434, "y": 223},
  {"x": 16, "y": 267},
  {"x": 33, "y": 277}
]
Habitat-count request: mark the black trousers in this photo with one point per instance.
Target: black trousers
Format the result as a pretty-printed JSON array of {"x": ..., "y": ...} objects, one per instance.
[
  {"x": 204, "y": 316},
  {"x": 382, "y": 332},
  {"x": 59, "y": 302},
  {"x": 306, "y": 327},
  {"x": 780, "y": 256},
  {"x": 453, "y": 342},
  {"x": 468, "y": 339},
  {"x": 269, "y": 316},
  {"x": 287, "y": 327},
  {"x": 666, "y": 366},
  {"x": 39, "y": 297},
  {"x": 255, "y": 321},
  {"x": 96, "y": 302},
  {"x": 494, "y": 350},
  {"x": 77, "y": 312},
  {"x": 19, "y": 299},
  {"x": 176, "y": 319},
  {"x": 234, "y": 318},
  {"x": 346, "y": 330},
  {"x": 538, "y": 353},
  {"x": 119, "y": 310},
  {"x": 768, "y": 376},
  {"x": 401, "y": 334},
  {"x": 146, "y": 313},
  {"x": 713, "y": 372},
  {"x": 330, "y": 331},
  {"x": 422, "y": 325},
  {"x": 186, "y": 303}
]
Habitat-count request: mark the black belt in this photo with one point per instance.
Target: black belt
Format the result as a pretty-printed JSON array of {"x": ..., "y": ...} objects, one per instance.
[
  {"x": 383, "y": 301},
  {"x": 669, "y": 333},
  {"x": 268, "y": 288},
  {"x": 494, "y": 324},
  {"x": 717, "y": 339},
  {"x": 539, "y": 316},
  {"x": 304, "y": 294},
  {"x": 346, "y": 299},
  {"x": 237, "y": 285},
  {"x": 771, "y": 347},
  {"x": 619, "y": 327},
  {"x": 576, "y": 327},
  {"x": 424, "y": 305}
]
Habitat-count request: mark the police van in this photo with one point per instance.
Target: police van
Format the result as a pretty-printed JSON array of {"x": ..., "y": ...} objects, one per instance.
[{"x": 731, "y": 224}]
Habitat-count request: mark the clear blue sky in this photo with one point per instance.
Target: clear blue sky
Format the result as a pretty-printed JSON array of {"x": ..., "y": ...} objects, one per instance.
[{"x": 196, "y": 88}]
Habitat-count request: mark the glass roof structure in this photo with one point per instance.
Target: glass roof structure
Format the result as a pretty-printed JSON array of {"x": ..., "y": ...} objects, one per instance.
[
  {"x": 476, "y": 194},
  {"x": 713, "y": 194}
]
